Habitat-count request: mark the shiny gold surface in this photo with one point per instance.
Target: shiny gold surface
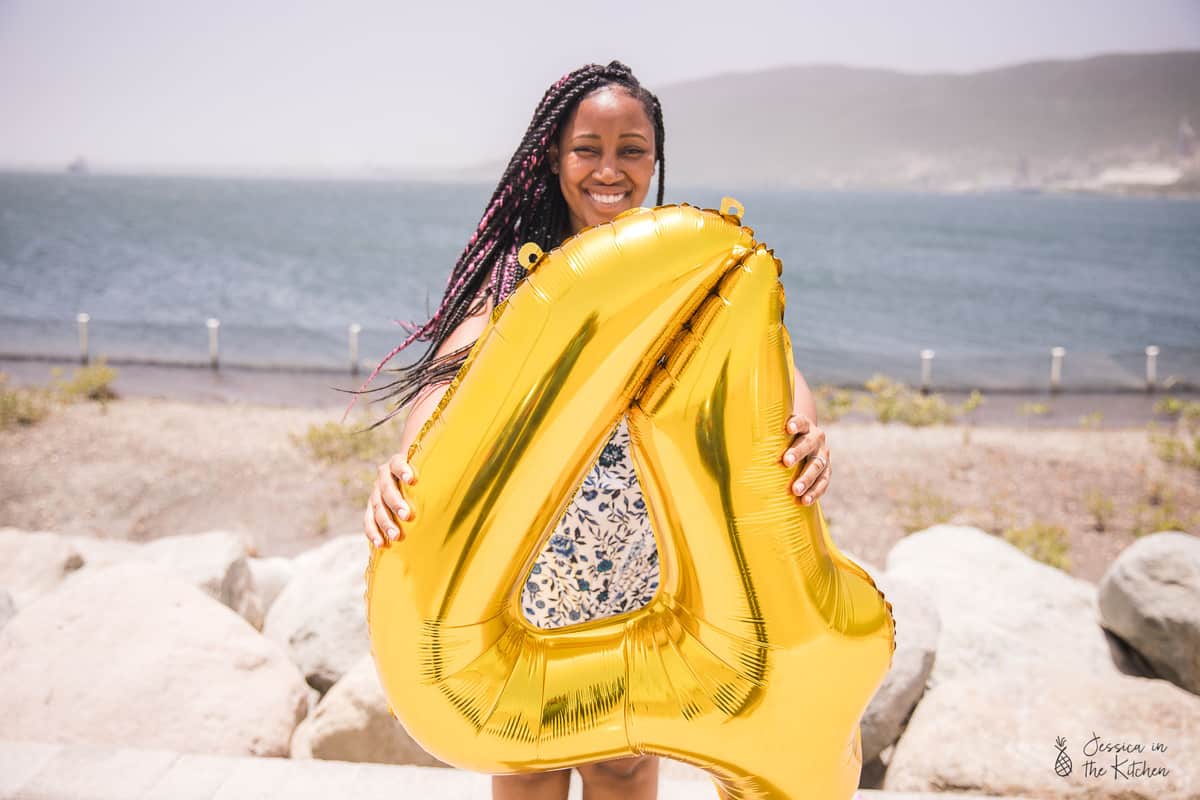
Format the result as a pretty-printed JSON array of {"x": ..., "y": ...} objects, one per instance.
[{"x": 763, "y": 646}]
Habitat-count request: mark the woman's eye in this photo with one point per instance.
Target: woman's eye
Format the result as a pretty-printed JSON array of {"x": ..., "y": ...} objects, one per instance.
[
  {"x": 634, "y": 152},
  {"x": 584, "y": 150}
]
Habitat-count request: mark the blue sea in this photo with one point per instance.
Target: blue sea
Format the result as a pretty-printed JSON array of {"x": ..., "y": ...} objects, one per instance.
[{"x": 989, "y": 282}]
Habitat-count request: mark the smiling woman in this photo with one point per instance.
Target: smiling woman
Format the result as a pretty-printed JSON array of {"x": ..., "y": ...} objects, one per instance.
[{"x": 588, "y": 154}]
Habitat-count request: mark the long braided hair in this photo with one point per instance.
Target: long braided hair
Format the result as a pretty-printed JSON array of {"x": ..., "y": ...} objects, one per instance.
[{"x": 527, "y": 206}]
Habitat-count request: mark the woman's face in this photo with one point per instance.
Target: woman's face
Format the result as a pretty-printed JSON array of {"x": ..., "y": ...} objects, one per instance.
[{"x": 604, "y": 157}]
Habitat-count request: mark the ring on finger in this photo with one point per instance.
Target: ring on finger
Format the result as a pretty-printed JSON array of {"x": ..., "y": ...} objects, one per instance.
[{"x": 824, "y": 463}]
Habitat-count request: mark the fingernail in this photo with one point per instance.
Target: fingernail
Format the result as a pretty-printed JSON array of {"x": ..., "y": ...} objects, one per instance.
[
  {"x": 793, "y": 427},
  {"x": 407, "y": 476},
  {"x": 393, "y": 533},
  {"x": 799, "y": 487},
  {"x": 789, "y": 459},
  {"x": 403, "y": 513},
  {"x": 808, "y": 500}
]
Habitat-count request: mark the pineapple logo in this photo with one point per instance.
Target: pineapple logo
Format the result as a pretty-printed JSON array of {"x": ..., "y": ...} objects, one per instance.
[{"x": 1062, "y": 764}]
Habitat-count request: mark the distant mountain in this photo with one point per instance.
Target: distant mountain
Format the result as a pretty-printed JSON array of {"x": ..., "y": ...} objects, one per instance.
[{"x": 1040, "y": 124}]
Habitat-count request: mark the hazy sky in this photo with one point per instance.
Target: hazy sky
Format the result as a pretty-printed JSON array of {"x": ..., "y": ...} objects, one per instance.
[{"x": 277, "y": 83}]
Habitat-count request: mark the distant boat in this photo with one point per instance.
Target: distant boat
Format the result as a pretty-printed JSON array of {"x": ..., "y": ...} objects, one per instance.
[{"x": 78, "y": 166}]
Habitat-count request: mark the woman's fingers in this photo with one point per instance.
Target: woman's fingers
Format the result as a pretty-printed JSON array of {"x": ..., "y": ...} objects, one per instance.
[
  {"x": 387, "y": 505},
  {"x": 369, "y": 527},
  {"x": 383, "y": 515},
  {"x": 799, "y": 426},
  {"x": 818, "y": 488},
  {"x": 801, "y": 446},
  {"x": 384, "y": 520},
  {"x": 818, "y": 463},
  {"x": 808, "y": 476},
  {"x": 402, "y": 469},
  {"x": 389, "y": 491},
  {"x": 797, "y": 423}
]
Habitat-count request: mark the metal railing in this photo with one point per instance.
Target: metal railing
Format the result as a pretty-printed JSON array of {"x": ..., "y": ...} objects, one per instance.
[{"x": 1047, "y": 370}]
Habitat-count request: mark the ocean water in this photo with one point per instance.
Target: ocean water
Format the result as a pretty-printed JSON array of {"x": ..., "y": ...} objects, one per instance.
[{"x": 989, "y": 282}]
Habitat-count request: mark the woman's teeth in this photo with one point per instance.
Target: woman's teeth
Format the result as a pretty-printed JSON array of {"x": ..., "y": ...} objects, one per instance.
[{"x": 607, "y": 199}]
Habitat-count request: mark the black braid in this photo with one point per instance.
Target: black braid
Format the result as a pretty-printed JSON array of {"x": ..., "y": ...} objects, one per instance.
[{"x": 527, "y": 206}]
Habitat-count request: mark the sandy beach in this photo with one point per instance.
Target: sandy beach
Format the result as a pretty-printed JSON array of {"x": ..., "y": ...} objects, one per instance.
[{"x": 196, "y": 451}]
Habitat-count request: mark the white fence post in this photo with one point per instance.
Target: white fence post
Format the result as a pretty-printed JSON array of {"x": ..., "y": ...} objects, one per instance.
[
  {"x": 1056, "y": 363},
  {"x": 82, "y": 319},
  {"x": 1151, "y": 367},
  {"x": 214, "y": 326},
  {"x": 355, "y": 329},
  {"x": 926, "y": 370}
]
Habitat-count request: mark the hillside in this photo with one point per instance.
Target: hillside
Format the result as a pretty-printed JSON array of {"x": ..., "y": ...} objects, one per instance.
[{"x": 1039, "y": 123}]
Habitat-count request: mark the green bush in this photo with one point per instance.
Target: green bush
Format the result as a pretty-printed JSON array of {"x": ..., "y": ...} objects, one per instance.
[
  {"x": 1180, "y": 444},
  {"x": 1157, "y": 512},
  {"x": 355, "y": 451},
  {"x": 893, "y": 401},
  {"x": 832, "y": 403},
  {"x": 1034, "y": 409},
  {"x": 21, "y": 406},
  {"x": 92, "y": 382},
  {"x": 1187, "y": 411},
  {"x": 335, "y": 443},
  {"x": 1042, "y": 542}
]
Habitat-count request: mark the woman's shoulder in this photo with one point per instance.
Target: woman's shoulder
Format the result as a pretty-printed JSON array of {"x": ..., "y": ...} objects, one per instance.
[{"x": 467, "y": 331}]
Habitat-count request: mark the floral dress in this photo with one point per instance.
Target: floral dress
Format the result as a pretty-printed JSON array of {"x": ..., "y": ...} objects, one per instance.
[{"x": 601, "y": 559}]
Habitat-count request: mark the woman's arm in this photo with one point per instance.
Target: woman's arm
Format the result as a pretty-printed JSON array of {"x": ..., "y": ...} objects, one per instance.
[
  {"x": 802, "y": 397},
  {"x": 422, "y": 406},
  {"x": 387, "y": 506}
]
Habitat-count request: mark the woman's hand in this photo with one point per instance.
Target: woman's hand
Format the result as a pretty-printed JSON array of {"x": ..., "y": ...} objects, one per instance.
[
  {"x": 810, "y": 448},
  {"x": 387, "y": 507}
]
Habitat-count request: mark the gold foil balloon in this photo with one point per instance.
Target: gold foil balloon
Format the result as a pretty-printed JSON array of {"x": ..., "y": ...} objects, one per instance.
[{"x": 758, "y": 655}]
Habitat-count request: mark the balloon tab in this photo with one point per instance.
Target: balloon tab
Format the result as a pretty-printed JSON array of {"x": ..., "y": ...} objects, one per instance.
[
  {"x": 529, "y": 256},
  {"x": 733, "y": 208}
]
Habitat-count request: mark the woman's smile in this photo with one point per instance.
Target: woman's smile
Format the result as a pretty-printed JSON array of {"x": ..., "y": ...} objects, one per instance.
[{"x": 606, "y": 199}]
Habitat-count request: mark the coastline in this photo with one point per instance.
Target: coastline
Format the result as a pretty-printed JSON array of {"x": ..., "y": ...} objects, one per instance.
[
  {"x": 331, "y": 390},
  {"x": 186, "y": 451}
]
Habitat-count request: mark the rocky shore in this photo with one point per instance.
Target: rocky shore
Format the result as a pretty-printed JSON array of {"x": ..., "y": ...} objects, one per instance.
[{"x": 189, "y": 577}]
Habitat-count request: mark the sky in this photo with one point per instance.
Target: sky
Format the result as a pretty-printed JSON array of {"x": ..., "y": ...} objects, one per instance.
[{"x": 239, "y": 85}]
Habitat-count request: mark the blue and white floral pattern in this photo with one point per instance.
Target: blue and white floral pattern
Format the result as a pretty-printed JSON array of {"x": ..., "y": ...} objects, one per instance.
[{"x": 601, "y": 559}]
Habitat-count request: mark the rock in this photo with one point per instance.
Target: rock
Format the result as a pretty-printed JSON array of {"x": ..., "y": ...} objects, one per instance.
[
  {"x": 7, "y": 608},
  {"x": 996, "y": 734},
  {"x": 131, "y": 655},
  {"x": 35, "y": 562},
  {"x": 917, "y": 628},
  {"x": 1001, "y": 611},
  {"x": 1150, "y": 599},
  {"x": 217, "y": 563},
  {"x": 1021, "y": 661},
  {"x": 102, "y": 552},
  {"x": 270, "y": 576},
  {"x": 352, "y": 723},
  {"x": 320, "y": 617}
]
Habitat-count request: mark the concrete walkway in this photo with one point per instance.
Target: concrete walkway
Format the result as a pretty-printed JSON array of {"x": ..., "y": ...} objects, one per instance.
[{"x": 37, "y": 771}]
